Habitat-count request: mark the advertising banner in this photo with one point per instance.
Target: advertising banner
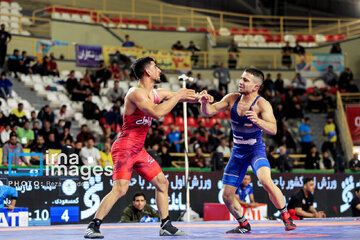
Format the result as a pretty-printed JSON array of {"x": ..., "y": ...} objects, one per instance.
[
  {"x": 61, "y": 200},
  {"x": 165, "y": 59},
  {"x": 353, "y": 119},
  {"x": 88, "y": 56},
  {"x": 317, "y": 64}
]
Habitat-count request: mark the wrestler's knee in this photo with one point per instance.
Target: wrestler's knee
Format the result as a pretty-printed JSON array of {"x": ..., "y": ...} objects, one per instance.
[
  {"x": 228, "y": 197},
  {"x": 161, "y": 183}
]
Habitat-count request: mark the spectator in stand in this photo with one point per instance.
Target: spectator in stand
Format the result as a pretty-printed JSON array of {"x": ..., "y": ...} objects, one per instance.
[
  {"x": 106, "y": 159},
  {"x": 91, "y": 82},
  {"x": 335, "y": 49},
  {"x": 165, "y": 157},
  {"x": 59, "y": 128},
  {"x": 216, "y": 136},
  {"x": 270, "y": 152},
  {"x": 46, "y": 114},
  {"x": 268, "y": 84},
  {"x": 330, "y": 77},
  {"x": 116, "y": 74},
  {"x": 316, "y": 101},
  {"x": 298, "y": 49},
  {"x": 174, "y": 138},
  {"x": 52, "y": 67},
  {"x": 223, "y": 148},
  {"x": 10, "y": 147},
  {"x": 5, "y": 38},
  {"x": 115, "y": 93},
  {"x": 193, "y": 49},
  {"x": 17, "y": 116},
  {"x": 25, "y": 134},
  {"x": 25, "y": 63},
  {"x": 91, "y": 110},
  {"x": 177, "y": 46},
  {"x": 355, "y": 203},
  {"x": 14, "y": 61},
  {"x": 279, "y": 84},
  {"x": 36, "y": 128},
  {"x": 300, "y": 84},
  {"x": 354, "y": 163},
  {"x": 124, "y": 63},
  {"x": 66, "y": 135},
  {"x": 71, "y": 82},
  {"x": 305, "y": 135},
  {"x": 90, "y": 155},
  {"x": 198, "y": 160},
  {"x": 326, "y": 161},
  {"x": 352, "y": 88},
  {"x": 234, "y": 54},
  {"x": 114, "y": 116},
  {"x": 279, "y": 112},
  {"x": 5, "y": 134},
  {"x": 128, "y": 42},
  {"x": 39, "y": 147},
  {"x": 284, "y": 137},
  {"x": 5, "y": 86},
  {"x": 245, "y": 193},
  {"x": 80, "y": 92},
  {"x": 103, "y": 73},
  {"x": 293, "y": 108},
  {"x": 330, "y": 137},
  {"x": 52, "y": 142},
  {"x": 312, "y": 160},
  {"x": 286, "y": 55},
  {"x": 84, "y": 134},
  {"x": 44, "y": 68},
  {"x": 63, "y": 114},
  {"x": 3, "y": 119},
  {"x": 34, "y": 119},
  {"x": 284, "y": 161},
  {"x": 223, "y": 75},
  {"x": 301, "y": 203},
  {"x": 46, "y": 130},
  {"x": 345, "y": 77}
]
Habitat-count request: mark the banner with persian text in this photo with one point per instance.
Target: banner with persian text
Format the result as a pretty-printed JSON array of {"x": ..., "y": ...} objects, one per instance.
[{"x": 88, "y": 56}]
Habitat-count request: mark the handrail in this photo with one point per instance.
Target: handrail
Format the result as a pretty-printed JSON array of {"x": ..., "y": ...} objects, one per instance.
[{"x": 345, "y": 135}]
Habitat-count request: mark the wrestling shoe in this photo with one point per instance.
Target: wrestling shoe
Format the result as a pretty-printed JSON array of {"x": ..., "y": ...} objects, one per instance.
[
  {"x": 288, "y": 222},
  {"x": 167, "y": 229},
  {"x": 93, "y": 231},
  {"x": 242, "y": 228}
]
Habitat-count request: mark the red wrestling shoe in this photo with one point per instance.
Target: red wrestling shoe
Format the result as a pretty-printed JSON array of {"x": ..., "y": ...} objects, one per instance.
[{"x": 288, "y": 222}]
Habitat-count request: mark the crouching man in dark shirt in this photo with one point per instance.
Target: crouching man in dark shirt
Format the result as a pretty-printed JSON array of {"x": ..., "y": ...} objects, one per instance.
[
  {"x": 301, "y": 203},
  {"x": 139, "y": 211},
  {"x": 355, "y": 203}
]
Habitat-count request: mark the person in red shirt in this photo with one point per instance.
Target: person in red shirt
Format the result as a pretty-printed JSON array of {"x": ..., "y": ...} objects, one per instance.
[{"x": 116, "y": 74}]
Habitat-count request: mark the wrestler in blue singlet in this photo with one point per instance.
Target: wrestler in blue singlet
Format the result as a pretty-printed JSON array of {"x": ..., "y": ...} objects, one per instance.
[{"x": 249, "y": 148}]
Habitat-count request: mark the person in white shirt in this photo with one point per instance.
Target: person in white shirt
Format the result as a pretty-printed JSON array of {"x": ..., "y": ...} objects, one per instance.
[
  {"x": 90, "y": 155},
  {"x": 62, "y": 114},
  {"x": 225, "y": 150},
  {"x": 5, "y": 134}
]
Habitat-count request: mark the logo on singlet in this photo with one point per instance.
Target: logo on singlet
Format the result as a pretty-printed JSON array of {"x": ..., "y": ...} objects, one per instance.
[
  {"x": 144, "y": 121},
  {"x": 249, "y": 125}
]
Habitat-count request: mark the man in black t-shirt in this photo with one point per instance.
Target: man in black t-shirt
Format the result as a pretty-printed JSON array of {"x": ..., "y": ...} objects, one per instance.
[
  {"x": 301, "y": 203},
  {"x": 355, "y": 203},
  {"x": 5, "y": 38},
  {"x": 39, "y": 147}
]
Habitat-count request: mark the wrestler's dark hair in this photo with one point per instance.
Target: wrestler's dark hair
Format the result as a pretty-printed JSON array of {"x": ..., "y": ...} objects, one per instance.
[
  {"x": 256, "y": 72},
  {"x": 138, "y": 195},
  {"x": 139, "y": 66},
  {"x": 357, "y": 189},
  {"x": 308, "y": 179}
]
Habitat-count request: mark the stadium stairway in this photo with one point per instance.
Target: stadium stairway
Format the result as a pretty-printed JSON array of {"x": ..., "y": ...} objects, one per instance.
[{"x": 317, "y": 123}]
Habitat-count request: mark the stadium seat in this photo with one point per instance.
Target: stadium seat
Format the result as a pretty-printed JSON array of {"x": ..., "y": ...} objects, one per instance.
[
  {"x": 234, "y": 31},
  {"x": 76, "y": 17},
  {"x": 259, "y": 38},
  {"x": 329, "y": 38},
  {"x": 269, "y": 38},
  {"x": 224, "y": 32},
  {"x": 163, "y": 28},
  {"x": 191, "y": 29},
  {"x": 244, "y": 31},
  {"x": 289, "y": 38},
  {"x": 168, "y": 119},
  {"x": 66, "y": 16},
  {"x": 202, "y": 29},
  {"x": 309, "y": 38},
  {"x": 192, "y": 122},
  {"x": 211, "y": 122},
  {"x": 179, "y": 121},
  {"x": 4, "y": 11},
  {"x": 56, "y": 15},
  {"x": 339, "y": 37},
  {"x": 264, "y": 31},
  {"x": 4, "y": 19},
  {"x": 26, "y": 21},
  {"x": 299, "y": 38},
  {"x": 255, "y": 31},
  {"x": 181, "y": 29},
  {"x": 86, "y": 18},
  {"x": 171, "y": 28},
  {"x": 14, "y": 25},
  {"x": 320, "y": 38},
  {"x": 239, "y": 38},
  {"x": 4, "y": 5},
  {"x": 15, "y": 5}
]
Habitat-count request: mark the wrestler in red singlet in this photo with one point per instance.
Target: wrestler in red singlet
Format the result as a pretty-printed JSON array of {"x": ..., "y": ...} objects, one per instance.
[{"x": 128, "y": 150}]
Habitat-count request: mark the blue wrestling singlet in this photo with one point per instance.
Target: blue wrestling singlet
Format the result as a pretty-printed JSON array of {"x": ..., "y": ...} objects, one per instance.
[{"x": 249, "y": 148}]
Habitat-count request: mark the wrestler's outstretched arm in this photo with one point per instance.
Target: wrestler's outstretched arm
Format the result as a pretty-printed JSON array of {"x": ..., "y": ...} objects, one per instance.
[
  {"x": 165, "y": 94},
  {"x": 209, "y": 110},
  {"x": 140, "y": 98}
]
